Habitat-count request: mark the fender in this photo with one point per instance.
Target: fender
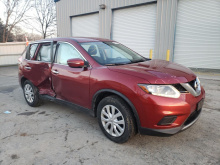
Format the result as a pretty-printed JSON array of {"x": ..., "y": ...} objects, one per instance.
[
  {"x": 21, "y": 80},
  {"x": 123, "y": 97}
]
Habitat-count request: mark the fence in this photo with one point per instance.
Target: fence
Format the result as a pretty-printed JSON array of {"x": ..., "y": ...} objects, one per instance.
[{"x": 10, "y": 52}]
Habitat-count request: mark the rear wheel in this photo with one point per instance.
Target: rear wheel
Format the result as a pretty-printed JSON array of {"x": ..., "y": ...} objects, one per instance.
[
  {"x": 115, "y": 119},
  {"x": 31, "y": 94}
]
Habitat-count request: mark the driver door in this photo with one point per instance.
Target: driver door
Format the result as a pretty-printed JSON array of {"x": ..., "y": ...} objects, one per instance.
[{"x": 70, "y": 84}]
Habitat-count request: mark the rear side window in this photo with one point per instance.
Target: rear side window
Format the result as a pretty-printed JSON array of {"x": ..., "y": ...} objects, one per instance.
[
  {"x": 31, "y": 51},
  {"x": 65, "y": 52},
  {"x": 44, "y": 54}
]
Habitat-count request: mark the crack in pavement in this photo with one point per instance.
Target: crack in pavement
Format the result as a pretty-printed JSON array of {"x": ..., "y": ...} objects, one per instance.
[
  {"x": 86, "y": 145},
  {"x": 67, "y": 132},
  {"x": 29, "y": 134},
  {"x": 27, "y": 113}
]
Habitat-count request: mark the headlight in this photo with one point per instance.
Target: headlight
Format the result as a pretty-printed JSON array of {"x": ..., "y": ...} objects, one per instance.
[{"x": 160, "y": 90}]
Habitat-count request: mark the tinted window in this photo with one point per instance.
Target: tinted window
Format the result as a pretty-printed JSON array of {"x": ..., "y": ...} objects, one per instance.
[
  {"x": 31, "y": 51},
  {"x": 44, "y": 53},
  {"x": 65, "y": 52}
]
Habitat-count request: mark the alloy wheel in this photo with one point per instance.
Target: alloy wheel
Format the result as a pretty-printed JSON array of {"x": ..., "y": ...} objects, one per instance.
[
  {"x": 29, "y": 94},
  {"x": 112, "y": 120}
]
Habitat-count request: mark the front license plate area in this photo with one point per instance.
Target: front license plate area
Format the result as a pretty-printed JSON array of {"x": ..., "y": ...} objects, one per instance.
[{"x": 199, "y": 105}]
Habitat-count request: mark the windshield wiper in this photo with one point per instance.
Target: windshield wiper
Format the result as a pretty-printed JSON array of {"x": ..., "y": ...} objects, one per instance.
[
  {"x": 117, "y": 64},
  {"x": 142, "y": 60}
]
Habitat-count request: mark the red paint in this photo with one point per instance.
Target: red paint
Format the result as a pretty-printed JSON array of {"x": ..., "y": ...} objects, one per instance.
[
  {"x": 75, "y": 63},
  {"x": 79, "y": 85},
  {"x": 157, "y": 72},
  {"x": 71, "y": 84}
]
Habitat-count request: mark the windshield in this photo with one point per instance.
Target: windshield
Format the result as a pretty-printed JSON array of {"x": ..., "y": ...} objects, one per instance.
[{"x": 111, "y": 53}]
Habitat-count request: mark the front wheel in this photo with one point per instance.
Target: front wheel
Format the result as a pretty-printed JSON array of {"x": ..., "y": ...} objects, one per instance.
[
  {"x": 31, "y": 94},
  {"x": 115, "y": 119}
]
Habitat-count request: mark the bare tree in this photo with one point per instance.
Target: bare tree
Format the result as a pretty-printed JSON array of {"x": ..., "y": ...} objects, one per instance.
[
  {"x": 19, "y": 34},
  {"x": 15, "y": 12},
  {"x": 46, "y": 17},
  {"x": 33, "y": 36}
]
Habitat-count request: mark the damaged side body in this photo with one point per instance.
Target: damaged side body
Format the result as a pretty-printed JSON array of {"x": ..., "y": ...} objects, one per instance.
[{"x": 37, "y": 66}]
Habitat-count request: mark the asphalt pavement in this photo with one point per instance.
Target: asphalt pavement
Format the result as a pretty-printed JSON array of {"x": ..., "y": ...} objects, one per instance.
[{"x": 58, "y": 134}]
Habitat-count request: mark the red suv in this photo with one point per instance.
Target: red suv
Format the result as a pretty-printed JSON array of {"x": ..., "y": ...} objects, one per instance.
[{"x": 128, "y": 93}]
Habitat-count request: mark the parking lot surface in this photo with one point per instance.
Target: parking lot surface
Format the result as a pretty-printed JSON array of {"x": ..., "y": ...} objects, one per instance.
[{"x": 58, "y": 134}]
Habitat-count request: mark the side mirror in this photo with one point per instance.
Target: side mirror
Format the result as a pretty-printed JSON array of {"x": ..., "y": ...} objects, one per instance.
[{"x": 76, "y": 63}]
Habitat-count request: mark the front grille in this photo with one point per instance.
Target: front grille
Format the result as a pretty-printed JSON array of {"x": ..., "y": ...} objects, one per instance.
[
  {"x": 180, "y": 88},
  {"x": 191, "y": 83},
  {"x": 192, "y": 117},
  {"x": 184, "y": 87}
]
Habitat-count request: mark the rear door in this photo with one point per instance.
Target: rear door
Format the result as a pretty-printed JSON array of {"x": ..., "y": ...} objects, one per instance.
[
  {"x": 70, "y": 84},
  {"x": 37, "y": 66}
]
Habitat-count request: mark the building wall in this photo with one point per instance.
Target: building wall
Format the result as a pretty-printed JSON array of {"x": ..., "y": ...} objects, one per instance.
[
  {"x": 166, "y": 19},
  {"x": 10, "y": 52}
]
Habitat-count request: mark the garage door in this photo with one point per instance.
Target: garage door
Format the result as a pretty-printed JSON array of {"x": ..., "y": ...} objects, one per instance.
[
  {"x": 135, "y": 27},
  {"x": 197, "y": 41},
  {"x": 86, "y": 25}
]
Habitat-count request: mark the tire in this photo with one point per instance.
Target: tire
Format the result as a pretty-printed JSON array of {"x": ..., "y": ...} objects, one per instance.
[
  {"x": 120, "y": 126},
  {"x": 31, "y": 94}
]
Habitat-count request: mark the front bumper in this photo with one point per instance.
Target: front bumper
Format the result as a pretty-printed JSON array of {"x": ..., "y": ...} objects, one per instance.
[
  {"x": 155, "y": 108},
  {"x": 170, "y": 131}
]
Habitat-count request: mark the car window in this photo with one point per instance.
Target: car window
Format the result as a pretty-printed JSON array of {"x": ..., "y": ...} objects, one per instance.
[
  {"x": 111, "y": 53},
  {"x": 31, "y": 51},
  {"x": 44, "y": 53},
  {"x": 65, "y": 52},
  {"x": 88, "y": 48}
]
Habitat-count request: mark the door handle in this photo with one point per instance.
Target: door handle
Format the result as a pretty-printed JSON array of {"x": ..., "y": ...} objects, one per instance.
[
  {"x": 55, "y": 71},
  {"x": 27, "y": 67}
]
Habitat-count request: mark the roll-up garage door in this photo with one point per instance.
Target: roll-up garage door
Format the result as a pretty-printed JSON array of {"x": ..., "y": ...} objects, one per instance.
[
  {"x": 86, "y": 25},
  {"x": 197, "y": 39},
  {"x": 135, "y": 27}
]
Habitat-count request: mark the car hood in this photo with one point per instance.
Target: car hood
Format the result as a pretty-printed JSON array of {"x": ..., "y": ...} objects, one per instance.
[{"x": 157, "y": 71}]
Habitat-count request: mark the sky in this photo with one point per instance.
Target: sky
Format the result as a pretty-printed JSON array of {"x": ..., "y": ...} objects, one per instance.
[
  {"x": 22, "y": 25},
  {"x": 24, "y": 28},
  {"x": 2, "y": 16},
  {"x": 2, "y": 9}
]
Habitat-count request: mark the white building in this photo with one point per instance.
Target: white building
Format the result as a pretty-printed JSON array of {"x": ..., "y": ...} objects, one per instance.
[{"x": 190, "y": 29}]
